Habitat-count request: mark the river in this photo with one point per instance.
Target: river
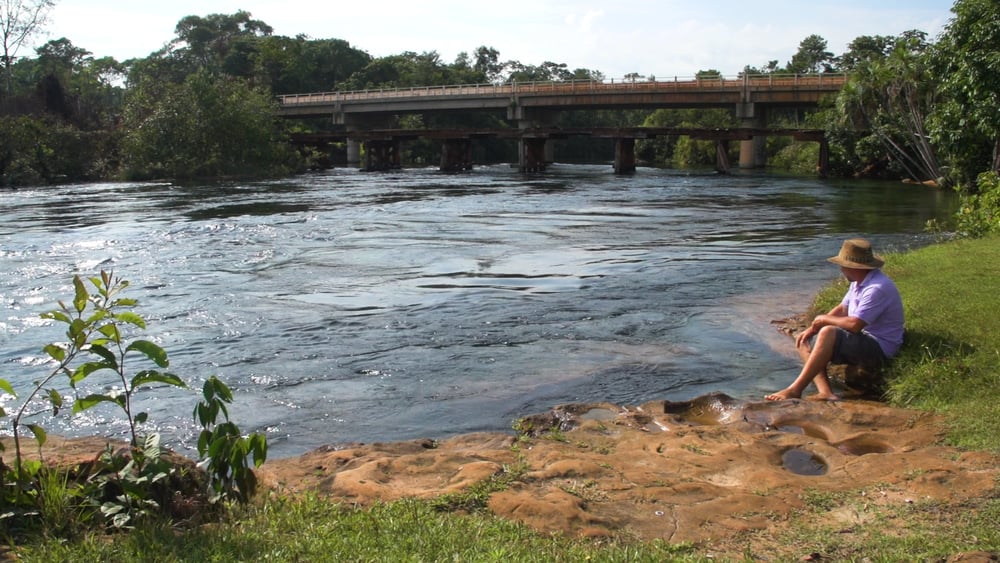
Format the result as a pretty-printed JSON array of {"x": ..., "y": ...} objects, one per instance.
[{"x": 354, "y": 307}]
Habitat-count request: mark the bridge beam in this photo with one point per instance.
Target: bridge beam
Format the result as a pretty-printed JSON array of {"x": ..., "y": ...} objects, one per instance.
[
  {"x": 456, "y": 155},
  {"x": 624, "y": 155}
]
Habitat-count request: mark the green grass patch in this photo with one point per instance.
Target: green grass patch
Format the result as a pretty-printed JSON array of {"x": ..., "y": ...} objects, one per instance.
[
  {"x": 950, "y": 359},
  {"x": 314, "y": 529}
]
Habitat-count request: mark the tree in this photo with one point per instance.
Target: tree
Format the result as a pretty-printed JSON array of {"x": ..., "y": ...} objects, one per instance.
[
  {"x": 891, "y": 96},
  {"x": 206, "y": 126},
  {"x": 865, "y": 49},
  {"x": 207, "y": 41},
  {"x": 19, "y": 20},
  {"x": 487, "y": 61},
  {"x": 812, "y": 56},
  {"x": 966, "y": 124}
]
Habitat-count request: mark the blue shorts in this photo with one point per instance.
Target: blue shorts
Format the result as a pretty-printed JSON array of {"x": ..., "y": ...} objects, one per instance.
[{"x": 860, "y": 349}]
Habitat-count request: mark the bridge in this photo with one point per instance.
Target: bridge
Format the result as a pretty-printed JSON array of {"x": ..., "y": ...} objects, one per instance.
[{"x": 366, "y": 116}]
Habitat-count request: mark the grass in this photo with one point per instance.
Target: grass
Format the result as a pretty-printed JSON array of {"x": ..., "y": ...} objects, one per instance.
[
  {"x": 313, "y": 529},
  {"x": 950, "y": 364},
  {"x": 950, "y": 360}
]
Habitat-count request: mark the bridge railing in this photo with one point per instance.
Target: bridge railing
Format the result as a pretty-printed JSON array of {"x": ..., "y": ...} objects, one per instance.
[{"x": 828, "y": 81}]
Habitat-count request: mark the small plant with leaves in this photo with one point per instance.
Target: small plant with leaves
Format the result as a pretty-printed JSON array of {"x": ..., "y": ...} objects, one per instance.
[
  {"x": 125, "y": 484},
  {"x": 224, "y": 450},
  {"x": 96, "y": 343}
]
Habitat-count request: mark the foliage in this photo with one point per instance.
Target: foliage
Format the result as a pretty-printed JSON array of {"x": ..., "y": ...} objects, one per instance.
[
  {"x": 19, "y": 21},
  {"x": 966, "y": 124},
  {"x": 680, "y": 151},
  {"x": 130, "y": 484},
  {"x": 133, "y": 487},
  {"x": 224, "y": 449},
  {"x": 47, "y": 151},
  {"x": 979, "y": 211},
  {"x": 206, "y": 126},
  {"x": 812, "y": 56},
  {"x": 209, "y": 42},
  {"x": 891, "y": 96}
]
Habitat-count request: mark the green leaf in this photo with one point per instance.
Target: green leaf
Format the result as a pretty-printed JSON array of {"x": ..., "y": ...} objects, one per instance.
[
  {"x": 152, "y": 376},
  {"x": 55, "y": 352},
  {"x": 58, "y": 316},
  {"x": 214, "y": 386},
  {"x": 6, "y": 386},
  {"x": 111, "y": 331},
  {"x": 258, "y": 443},
  {"x": 103, "y": 352},
  {"x": 152, "y": 351},
  {"x": 77, "y": 328},
  {"x": 39, "y": 433},
  {"x": 83, "y": 370},
  {"x": 56, "y": 400},
  {"x": 95, "y": 399},
  {"x": 80, "y": 300},
  {"x": 130, "y": 318},
  {"x": 141, "y": 417},
  {"x": 98, "y": 315}
]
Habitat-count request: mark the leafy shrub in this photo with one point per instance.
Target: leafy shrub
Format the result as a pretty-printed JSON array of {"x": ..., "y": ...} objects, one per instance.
[
  {"x": 131, "y": 484},
  {"x": 979, "y": 212}
]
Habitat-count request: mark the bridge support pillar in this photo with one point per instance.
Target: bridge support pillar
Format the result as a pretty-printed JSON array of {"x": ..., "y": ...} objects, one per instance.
[
  {"x": 722, "y": 156},
  {"x": 353, "y": 153},
  {"x": 381, "y": 155},
  {"x": 753, "y": 152},
  {"x": 531, "y": 156},
  {"x": 456, "y": 155},
  {"x": 824, "y": 157},
  {"x": 624, "y": 155}
]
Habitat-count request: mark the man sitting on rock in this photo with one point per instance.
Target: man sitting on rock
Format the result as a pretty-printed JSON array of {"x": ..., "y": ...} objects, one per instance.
[{"x": 865, "y": 329}]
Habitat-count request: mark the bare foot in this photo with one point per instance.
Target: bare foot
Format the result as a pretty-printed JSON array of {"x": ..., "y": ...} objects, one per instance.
[
  {"x": 823, "y": 397},
  {"x": 782, "y": 395}
]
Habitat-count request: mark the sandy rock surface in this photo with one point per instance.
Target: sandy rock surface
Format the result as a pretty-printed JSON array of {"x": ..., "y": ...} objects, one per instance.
[{"x": 705, "y": 471}]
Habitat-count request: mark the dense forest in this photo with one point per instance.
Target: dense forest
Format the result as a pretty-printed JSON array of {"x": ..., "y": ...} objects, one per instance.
[{"x": 915, "y": 107}]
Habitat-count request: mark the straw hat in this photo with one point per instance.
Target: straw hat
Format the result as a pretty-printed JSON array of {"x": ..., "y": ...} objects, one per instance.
[{"x": 857, "y": 253}]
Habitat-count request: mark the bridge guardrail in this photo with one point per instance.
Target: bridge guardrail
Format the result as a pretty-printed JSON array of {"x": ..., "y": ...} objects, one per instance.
[{"x": 831, "y": 81}]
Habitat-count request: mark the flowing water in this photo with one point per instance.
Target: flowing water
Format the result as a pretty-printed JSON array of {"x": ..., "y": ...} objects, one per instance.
[{"x": 356, "y": 307}]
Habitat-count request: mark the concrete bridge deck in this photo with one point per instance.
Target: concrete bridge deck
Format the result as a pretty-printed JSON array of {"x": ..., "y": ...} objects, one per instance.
[{"x": 770, "y": 89}]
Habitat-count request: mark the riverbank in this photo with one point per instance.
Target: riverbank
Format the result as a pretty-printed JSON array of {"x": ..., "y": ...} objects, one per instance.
[{"x": 728, "y": 479}]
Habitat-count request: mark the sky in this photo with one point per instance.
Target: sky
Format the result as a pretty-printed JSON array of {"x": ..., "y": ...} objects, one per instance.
[{"x": 661, "y": 38}]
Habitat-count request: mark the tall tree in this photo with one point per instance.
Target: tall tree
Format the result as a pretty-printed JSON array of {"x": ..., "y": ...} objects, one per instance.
[
  {"x": 967, "y": 62},
  {"x": 812, "y": 56},
  {"x": 488, "y": 62},
  {"x": 891, "y": 97},
  {"x": 20, "y": 20},
  {"x": 207, "y": 41},
  {"x": 865, "y": 49}
]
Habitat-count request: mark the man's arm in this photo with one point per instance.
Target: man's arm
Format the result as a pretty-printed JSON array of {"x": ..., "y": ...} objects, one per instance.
[{"x": 836, "y": 317}]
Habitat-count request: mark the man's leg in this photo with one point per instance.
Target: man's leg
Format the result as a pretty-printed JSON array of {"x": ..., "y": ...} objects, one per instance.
[{"x": 814, "y": 368}]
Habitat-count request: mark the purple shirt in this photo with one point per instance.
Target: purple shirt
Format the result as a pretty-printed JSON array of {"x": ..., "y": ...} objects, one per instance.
[{"x": 876, "y": 301}]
